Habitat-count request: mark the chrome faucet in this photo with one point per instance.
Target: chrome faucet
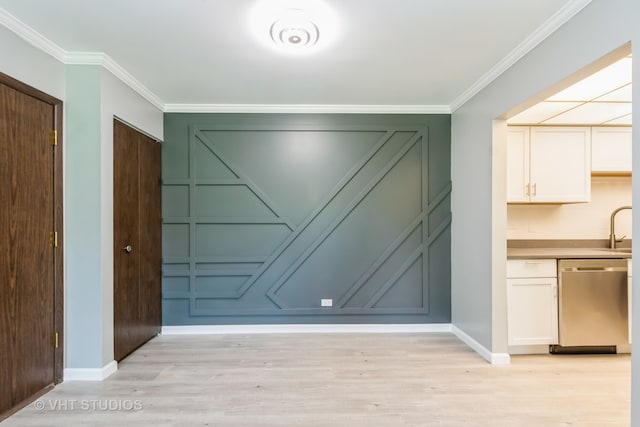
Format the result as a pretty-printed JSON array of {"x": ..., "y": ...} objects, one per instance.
[{"x": 612, "y": 228}]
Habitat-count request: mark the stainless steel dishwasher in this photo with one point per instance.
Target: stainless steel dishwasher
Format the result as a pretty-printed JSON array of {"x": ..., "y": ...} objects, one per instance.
[{"x": 592, "y": 305}]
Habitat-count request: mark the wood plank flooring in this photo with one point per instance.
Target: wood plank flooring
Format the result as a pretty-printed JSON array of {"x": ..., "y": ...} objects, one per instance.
[{"x": 341, "y": 380}]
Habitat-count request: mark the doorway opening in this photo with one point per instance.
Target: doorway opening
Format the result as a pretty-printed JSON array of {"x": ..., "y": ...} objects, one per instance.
[{"x": 568, "y": 168}]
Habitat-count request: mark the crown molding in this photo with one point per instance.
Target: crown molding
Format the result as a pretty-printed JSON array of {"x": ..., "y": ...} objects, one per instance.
[
  {"x": 98, "y": 58},
  {"x": 36, "y": 39},
  {"x": 104, "y": 60},
  {"x": 84, "y": 58},
  {"x": 545, "y": 30},
  {"x": 307, "y": 108},
  {"x": 31, "y": 36},
  {"x": 101, "y": 59}
]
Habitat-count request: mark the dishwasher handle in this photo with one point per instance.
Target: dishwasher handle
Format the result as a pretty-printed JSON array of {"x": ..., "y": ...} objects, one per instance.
[{"x": 594, "y": 268}]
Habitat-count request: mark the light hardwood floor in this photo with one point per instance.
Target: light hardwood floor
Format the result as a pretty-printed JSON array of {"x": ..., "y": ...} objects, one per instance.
[{"x": 338, "y": 380}]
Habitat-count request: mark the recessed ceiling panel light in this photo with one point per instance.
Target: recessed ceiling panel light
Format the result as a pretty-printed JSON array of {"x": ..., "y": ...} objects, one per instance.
[
  {"x": 623, "y": 94},
  {"x": 541, "y": 112},
  {"x": 591, "y": 113},
  {"x": 293, "y": 26},
  {"x": 614, "y": 76},
  {"x": 624, "y": 120}
]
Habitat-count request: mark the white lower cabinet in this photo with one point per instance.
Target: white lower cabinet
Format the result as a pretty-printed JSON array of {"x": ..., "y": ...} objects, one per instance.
[{"x": 532, "y": 302}]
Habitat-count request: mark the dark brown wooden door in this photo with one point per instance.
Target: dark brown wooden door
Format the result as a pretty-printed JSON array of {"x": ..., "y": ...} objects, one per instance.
[
  {"x": 27, "y": 270},
  {"x": 137, "y": 239},
  {"x": 125, "y": 234},
  {"x": 150, "y": 220}
]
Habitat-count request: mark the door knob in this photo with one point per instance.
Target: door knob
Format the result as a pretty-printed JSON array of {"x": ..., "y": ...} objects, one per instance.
[{"x": 128, "y": 249}]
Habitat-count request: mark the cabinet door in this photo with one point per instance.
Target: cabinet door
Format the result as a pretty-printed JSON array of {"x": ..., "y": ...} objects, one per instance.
[
  {"x": 518, "y": 164},
  {"x": 611, "y": 149},
  {"x": 532, "y": 311},
  {"x": 560, "y": 164}
]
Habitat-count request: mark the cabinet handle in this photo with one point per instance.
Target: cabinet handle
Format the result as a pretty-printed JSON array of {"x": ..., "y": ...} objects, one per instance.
[
  {"x": 128, "y": 249},
  {"x": 526, "y": 189},
  {"x": 535, "y": 189}
]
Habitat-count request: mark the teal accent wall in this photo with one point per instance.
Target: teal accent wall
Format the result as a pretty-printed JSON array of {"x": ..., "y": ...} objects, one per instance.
[{"x": 265, "y": 215}]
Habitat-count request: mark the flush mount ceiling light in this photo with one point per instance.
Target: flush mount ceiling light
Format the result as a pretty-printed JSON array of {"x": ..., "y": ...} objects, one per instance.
[
  {"x": 294, "y": 30},
  {"x": 293, "y": 26}
]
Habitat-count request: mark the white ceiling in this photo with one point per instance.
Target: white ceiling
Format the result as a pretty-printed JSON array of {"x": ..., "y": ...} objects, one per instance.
[
  {"x": 604, "y": 98},
  {"x": 427, "y": 54}
]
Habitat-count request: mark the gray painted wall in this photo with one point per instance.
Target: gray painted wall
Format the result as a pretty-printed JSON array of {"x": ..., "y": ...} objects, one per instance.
[
  {"x": 93, "y": 97},
  {"x": 30, "y": 65},
  {"x": 478, "y": 199},
  {"x": 265, "y": 215}
]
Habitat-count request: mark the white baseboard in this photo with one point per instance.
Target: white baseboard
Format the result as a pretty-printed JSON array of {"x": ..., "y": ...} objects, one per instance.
[
  {"x": 90, "y": 374},
  {"x": 315, "y": 328},
  {"x": 493, "y": 358}
]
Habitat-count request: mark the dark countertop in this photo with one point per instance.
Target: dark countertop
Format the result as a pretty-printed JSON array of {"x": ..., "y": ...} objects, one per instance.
[{"x": 565, "y": 249}]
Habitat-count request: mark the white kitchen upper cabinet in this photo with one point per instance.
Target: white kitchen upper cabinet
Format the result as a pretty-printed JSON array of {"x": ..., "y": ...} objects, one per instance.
[
  {"x": 550, "y": 165},
  {"x": 518, "y": 164},
  {"x": 611, "y": 150},
  {"x": 532, "y": 302},
  {"x": 560, "y": 164}
]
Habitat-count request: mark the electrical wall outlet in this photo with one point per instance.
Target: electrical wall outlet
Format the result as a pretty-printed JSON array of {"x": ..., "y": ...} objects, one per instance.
[{"x": 326, "y": 302}]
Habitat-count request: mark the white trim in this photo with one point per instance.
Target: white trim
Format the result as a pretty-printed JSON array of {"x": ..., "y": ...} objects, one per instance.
[
  {"x": 534, "y": 39},
  {"x": 307, "y": 108},
  {"x": 493, "y": 358},
  {"x": 36, "y": 39},
  {"x": 84, "y": 58},
  {"x": 90, "y": 374},
  {"x": 292, "y": 329},
  {"x": 30, "y": 35},
  {"x": 104, "y": 60}
]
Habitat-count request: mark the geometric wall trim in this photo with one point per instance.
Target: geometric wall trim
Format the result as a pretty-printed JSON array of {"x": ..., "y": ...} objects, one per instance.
[{"x": 265, "y": 216}]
